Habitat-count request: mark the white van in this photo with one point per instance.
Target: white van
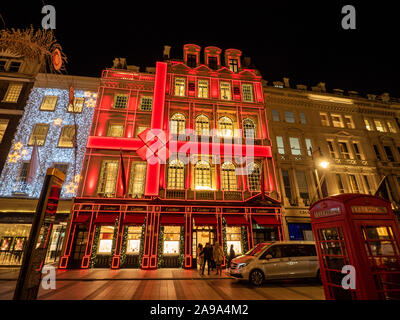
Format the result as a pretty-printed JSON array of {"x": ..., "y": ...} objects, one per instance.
[{"x": 277, "y": 260}]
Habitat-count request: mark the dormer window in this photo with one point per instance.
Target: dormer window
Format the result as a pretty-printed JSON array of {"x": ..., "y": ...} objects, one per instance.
[
  {"x": 233, "y": 65},
  {"x": 14, "y": 66},
  {"x": 191, "y": 60},
  {"x": 213, "y": 63}
]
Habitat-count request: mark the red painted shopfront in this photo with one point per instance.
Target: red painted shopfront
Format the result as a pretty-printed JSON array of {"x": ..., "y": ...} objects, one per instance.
[{"x": 161, "y": 172}]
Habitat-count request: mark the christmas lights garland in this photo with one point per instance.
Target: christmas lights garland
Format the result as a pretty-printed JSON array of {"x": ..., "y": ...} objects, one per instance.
[
  {"x": 93, "y": 257},
  {"x": 244, "y": 239},
  {"x": 141, "y": 250},
  {"x": 160, "y": 249},
  {"x": 49, "y": 153},
  {"x": 123, "y": 247},
  {"x": 181, "y": 258}
]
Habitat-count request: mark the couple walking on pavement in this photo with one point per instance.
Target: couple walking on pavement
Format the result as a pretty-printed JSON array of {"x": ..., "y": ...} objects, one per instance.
[{"x": 209, "y": 254}]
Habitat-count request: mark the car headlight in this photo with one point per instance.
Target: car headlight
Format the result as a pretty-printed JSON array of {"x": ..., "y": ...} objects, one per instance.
[{"x": 242, "y": 265}]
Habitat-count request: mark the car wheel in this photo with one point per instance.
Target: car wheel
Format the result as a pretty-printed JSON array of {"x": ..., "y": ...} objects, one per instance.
[{"x": 256, "y": 277}]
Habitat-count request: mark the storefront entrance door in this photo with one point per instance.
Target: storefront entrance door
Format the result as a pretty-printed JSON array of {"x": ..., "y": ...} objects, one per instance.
[
  {"x": 79, "y": 246},
  {"x": 202, "y": 235}
]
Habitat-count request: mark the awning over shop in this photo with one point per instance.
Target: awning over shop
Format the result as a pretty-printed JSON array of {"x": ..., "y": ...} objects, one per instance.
[
  {"x": 82, "y": 218},
  {"x": 205, "y": 220},
  {"x": 265, "y": 220},
  {"x": 137, "y": 219},
  {"x": 172, "y": 220},
  {"x": 235, "y": 220},
  {"x": 106, "y": 218}
]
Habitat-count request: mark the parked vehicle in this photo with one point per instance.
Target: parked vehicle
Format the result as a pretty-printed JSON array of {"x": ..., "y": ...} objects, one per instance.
[{"x": 277, "y": 260}]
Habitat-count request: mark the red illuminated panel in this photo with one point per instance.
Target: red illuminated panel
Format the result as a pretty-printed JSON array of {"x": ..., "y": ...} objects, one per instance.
[{"x": 153, "y": 170}]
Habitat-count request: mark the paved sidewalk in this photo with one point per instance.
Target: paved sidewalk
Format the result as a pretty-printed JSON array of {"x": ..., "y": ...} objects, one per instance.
[{"x": 122, "y": 274}]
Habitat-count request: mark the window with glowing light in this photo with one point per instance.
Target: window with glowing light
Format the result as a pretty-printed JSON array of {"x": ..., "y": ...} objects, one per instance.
[
  {"x": 391, "y": 126},
  {"x": 176, "y": 175},
  {"x": 115, "y": 130},
  {"x": 254, "y": 176},
  {"x": 324, "y": 119},
  {"x": 133, "y": 240},
  {"x": 177, "y": 124},
  {"x": 105, "y": 240},
  {"x": 120, "y": 101},
  {"x": 202, "y": 125},
  {"x": 229, "y": 180},
  {"x": 202, "y": 88},
  {"x": 3, "y": 128},
  {"x": 108, "y": 178},
  {"x": 295, "y": 146},
  {"x": 180, "y": 87},
  {"x": 337, "y": 120},
  {"x": 39, "y": 134},
  {"x": 367, "y": 125},
  {"x": 249, "y": 128},
  {"x": 280, "y": 145},
  {"x": 354, "y": 183},
  {"x": 49, "y": 103},
  {"x": 348, "y": 120},
  {"x": 225, "y": 90},
  {"x": 67, "y": 137},
  {"x": 202, "y": 176},
  {"x": 13, "y": 92},
  {"x": 379, "y": 125},
  {"x": 140, "y": 129},
  {"x": 234, "y": 237},
  {"x": 247, "y": 92},
  {"x": 171, "y": 239},
  {"x": 146, "y": 103},
  {"x": 137, "y": 179},
  {"x": 344, "y": 150},
  {"x": 77, "y": 105},
  {"x": 309, "y": 147},
  {"x": 225, "y": 125},
  {"x": 233, "y": 65}
]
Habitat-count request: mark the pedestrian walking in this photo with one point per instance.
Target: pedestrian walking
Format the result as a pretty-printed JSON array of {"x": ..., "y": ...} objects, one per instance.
[
  {"x": 207, "y": 256},
  {"x": 200, "y": 257},
  {"x": 212, "y": 258},
  {"x": 231, "y": 255},
  {"x": 218, "y": 254}
]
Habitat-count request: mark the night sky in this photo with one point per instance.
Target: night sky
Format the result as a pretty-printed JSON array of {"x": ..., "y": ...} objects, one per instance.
[{"x": 302, "y": 40}]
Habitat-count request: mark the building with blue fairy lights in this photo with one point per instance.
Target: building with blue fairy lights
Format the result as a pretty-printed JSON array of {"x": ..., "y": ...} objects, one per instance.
[{"x": 60, "y": 130}]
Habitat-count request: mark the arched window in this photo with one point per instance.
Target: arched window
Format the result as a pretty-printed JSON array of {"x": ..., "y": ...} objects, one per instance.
[
  {"x": 176, "y": 175},
  {"x": 202, "y": 176},
  {"x": 177, "y": 124},
  {"x": 254, "y": 176},
  {"x": 229, "y": 182},
  {"x": 202, "y": 125},
  {"x": 249, "y": 128},
  {"x": 225, "y": 127}
]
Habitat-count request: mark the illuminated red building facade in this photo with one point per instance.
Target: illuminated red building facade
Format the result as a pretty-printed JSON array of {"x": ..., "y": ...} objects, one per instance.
[{"x": 175, "y": 157}]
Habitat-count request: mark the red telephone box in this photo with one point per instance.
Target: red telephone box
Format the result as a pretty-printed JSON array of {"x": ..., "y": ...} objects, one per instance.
[{"x": 361, "y": 231}]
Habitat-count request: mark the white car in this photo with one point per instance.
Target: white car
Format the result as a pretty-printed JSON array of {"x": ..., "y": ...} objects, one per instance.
[{"x": 277, "y": 260}]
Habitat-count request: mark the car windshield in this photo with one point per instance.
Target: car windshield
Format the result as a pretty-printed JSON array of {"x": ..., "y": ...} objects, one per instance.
[{"x": 257, "y": 249}]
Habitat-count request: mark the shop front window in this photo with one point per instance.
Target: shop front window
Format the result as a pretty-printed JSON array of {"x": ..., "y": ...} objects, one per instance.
[
  {"x": 171, "y": 239},
  {"x": 13, "y": 238},
  {"x": 233, "y": 237},
  {"x": 105, "y": 240},
  {"x": 133, "y": 244}
]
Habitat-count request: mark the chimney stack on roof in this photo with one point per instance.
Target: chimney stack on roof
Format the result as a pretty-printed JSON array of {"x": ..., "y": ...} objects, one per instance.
[{"x": 166, "y": 52}]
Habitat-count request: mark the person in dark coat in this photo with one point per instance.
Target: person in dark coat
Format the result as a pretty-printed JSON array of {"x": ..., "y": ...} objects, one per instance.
[
  {"x": 231, "y": 255},
  {"x": 207, "y": 256}
]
